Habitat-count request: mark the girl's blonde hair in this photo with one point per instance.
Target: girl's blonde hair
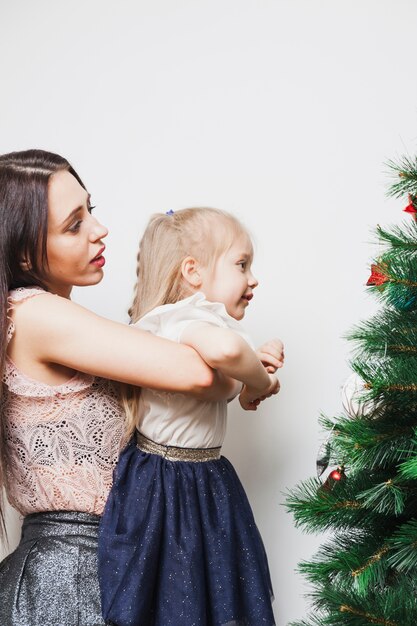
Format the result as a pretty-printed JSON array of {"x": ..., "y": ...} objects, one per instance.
[{"x": 203, "y": 233}]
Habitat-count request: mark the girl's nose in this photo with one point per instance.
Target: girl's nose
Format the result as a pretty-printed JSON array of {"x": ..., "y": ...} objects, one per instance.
[{"x": 253, "y": 282}]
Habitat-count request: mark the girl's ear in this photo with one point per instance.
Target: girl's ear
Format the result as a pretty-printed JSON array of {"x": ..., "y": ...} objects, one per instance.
[{"x": 190, "y": 272}]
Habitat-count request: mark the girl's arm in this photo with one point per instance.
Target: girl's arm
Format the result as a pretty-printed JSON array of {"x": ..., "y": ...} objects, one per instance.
[
  {"x": 54, "y": 330},
  {"x": 228, "y": 352}
]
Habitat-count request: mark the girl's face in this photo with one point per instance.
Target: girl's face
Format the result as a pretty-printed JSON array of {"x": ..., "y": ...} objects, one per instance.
[
  {"x": 231, "y": 280},
  {"x": 74, "y": 243}
]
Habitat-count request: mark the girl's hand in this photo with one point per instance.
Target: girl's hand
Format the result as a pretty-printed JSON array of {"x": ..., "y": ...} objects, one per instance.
[
  {"x": 250, "y": 399},
  {"x": 246, "y": 404},
  {"x": 271, "y": 355}
]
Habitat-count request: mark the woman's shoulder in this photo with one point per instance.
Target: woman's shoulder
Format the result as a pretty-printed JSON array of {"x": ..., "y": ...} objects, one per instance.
[
  {"x": 40, "y": 315},
  {"x": 16, "y": 297},
  {"x": 38, "y": 326},
  {"x": 50, "y": 304}
]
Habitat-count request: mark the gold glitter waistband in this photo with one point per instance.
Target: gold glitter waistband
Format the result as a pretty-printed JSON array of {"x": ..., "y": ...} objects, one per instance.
[{"x": 172, "y": 453}]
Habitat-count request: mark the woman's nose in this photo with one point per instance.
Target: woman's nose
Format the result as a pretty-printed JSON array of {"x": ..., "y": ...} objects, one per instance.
[{"x": 98, "y": 231}]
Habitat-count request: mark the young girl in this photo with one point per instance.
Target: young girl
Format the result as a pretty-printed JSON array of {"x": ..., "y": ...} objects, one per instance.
[
  {"x": 178, "y": 543},
  {"x": 61, "y": 423}
]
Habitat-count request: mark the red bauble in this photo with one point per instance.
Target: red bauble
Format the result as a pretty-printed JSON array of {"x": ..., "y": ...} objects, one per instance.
[
  {"x": 334, "y": 477},
  {"x": 336, "y": 474}
]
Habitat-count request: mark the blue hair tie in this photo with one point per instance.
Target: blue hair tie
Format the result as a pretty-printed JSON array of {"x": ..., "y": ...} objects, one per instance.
[{"x": 170, "y": 212}]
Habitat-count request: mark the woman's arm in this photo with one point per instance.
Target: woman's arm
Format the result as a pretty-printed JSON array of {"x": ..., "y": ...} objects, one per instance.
[
  {"x": 54, "y": 330},
  {"x": 228, "y": 352}
]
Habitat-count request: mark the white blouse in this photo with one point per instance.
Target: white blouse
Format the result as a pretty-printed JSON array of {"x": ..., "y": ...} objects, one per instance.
[{"x": 173, "y": 418}]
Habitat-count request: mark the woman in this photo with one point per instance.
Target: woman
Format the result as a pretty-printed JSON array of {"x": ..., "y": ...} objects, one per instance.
[{"x": 61, "y": 423}]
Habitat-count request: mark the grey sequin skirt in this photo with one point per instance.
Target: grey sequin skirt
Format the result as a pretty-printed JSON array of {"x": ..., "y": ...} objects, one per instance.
[{"x": 51, "y": 577}]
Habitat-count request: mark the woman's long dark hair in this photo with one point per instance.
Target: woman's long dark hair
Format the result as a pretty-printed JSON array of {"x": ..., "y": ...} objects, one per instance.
[{"x": 24, "y": 182}]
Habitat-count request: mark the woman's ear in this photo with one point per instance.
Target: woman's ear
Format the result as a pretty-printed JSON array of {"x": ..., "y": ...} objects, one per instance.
[
  {"x": 25, "y": 264},
  {"x": 190, "y": 272}
]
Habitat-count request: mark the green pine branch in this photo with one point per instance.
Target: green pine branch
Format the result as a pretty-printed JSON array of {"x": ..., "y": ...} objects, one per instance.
[
  {"x": 356, "y": 559},
  {"x": 389, "y": 380},
  {"x": 388, "y": 333},
  {"x": 399, "y": 238},
  {"x": 387, "y": 607},
  {"x": 373, "y": 444},
  {"x": 405, "y": 172},
  {"x": 319, "y": 507},
  {"x": 408, "y": 468},
  {"x": 387, "y": 497},
  {"x": 403, "y": 544}
]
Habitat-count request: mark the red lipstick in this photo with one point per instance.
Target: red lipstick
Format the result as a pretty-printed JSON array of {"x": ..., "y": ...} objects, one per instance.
[{"x": 99, "y": 260}]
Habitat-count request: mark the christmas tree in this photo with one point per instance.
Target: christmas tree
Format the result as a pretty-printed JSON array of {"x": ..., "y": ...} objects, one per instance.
[{"x": 366, "y": 493}]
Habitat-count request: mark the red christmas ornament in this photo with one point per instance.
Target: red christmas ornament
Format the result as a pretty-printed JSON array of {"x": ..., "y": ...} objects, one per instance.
[
  {"x": 410, "y": 208},
  {"x": 334, "y": 477},
  {"x": 377, "y": 276},
  {"x": 336, "y": 474}
]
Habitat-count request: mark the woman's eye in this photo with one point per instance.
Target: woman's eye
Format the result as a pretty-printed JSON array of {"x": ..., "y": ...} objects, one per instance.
[
  {"x": 242, "y": 264},
  {"x": 76, "y": 227}
]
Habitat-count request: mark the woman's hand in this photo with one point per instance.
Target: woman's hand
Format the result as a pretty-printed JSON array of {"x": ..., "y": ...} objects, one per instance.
[{"x": 271, "y": 355}]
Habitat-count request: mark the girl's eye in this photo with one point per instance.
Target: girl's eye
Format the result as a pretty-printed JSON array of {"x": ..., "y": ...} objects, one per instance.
[
  {"x": 242, "y": 264},
  {"x": 90, "y": 208}
]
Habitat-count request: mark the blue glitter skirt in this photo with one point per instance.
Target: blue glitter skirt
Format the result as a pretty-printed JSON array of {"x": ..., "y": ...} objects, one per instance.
[
  {"x": 178, "y": 546},
  {"x": 51, "y": 577}
]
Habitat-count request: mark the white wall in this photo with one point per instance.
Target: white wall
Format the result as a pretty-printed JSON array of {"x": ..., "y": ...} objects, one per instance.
[{"x": 281, "y": 111}]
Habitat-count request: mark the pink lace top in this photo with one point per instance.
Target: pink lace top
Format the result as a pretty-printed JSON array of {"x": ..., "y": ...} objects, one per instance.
[{"x": 62, "y": 441}]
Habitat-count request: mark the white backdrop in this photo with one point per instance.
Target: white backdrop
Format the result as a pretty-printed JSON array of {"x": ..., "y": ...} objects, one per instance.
[{"x": 281, "y": 111}]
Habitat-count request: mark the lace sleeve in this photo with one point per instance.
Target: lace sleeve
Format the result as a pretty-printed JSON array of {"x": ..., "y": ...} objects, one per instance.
[{"x": 18, "y": 295}]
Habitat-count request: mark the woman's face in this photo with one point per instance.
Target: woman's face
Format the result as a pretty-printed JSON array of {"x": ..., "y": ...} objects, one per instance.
[{"x": 74, "y": 244}]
